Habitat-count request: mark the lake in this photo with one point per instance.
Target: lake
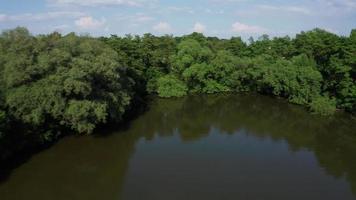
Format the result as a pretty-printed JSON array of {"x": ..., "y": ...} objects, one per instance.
[{"x": 200, "y": 147}]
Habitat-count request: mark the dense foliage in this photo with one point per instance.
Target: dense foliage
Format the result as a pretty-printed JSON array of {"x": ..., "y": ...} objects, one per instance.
[
  {"x": 316, "y": 68},
  {"x": 50, "y": 83}
]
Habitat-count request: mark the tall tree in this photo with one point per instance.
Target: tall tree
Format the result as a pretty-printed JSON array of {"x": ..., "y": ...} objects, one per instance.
[{"x": 74, "y": 81}]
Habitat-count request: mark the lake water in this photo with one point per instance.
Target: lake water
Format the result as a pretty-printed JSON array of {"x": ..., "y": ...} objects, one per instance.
[{"x": 202, "y": 147}]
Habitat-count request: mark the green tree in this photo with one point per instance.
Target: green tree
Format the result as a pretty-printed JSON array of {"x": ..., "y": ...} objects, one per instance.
[
  {"x": 236, "y": 46},
  {"x": 73, "y": 81},
  {"x": 319, "y": 44},
  {"x": 157, "y": 53},
  {"x": 190, "y": 52},
  {"x": 171, "y": 86}
]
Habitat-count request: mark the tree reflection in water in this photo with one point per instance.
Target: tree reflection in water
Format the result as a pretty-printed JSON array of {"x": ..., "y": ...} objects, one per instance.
[{"x": 98, "y": 167}]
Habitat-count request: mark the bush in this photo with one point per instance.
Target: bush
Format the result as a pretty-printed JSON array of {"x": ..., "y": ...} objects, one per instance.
[
  {"x": 323, "y": 105},
  {"x": 171, "y": 86}
]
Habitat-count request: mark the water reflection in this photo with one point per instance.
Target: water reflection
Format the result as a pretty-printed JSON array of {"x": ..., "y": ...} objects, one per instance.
[{"x": 224, "y": 147}]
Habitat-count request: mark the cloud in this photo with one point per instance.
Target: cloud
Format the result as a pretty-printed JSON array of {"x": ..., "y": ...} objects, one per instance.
[
  {"x": 134, "y": 20},
  {"x": 60, "y": 28},
  {"x": 295, "y": 9},
  {"x": 228, "y": 1},
  {"x": 97, "y": 2},
  {"x": 214, "y": 12},
  {"x": 200, "y": 28},
  {"x": 180, "y": 9},
  {"x": 89, "y": 23},
  {"x": 2, "y": 17},
  {"x": 41, "y": 16},
  {"x": 163, "y": 27},
  {"x": 143, "y": 18},
  {"x": 331, "y": 30},
  {"x": 244, "y": 28},
  {"x": 348, "y": 4}
]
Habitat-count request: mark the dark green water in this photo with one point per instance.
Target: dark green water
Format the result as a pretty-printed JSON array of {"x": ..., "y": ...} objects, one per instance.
[{"x": 210, "y": 147}]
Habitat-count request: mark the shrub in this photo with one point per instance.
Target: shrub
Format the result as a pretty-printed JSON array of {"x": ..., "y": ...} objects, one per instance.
[
  {"x": 171, "y": 86},
  {"x": 323, "y": 105}
]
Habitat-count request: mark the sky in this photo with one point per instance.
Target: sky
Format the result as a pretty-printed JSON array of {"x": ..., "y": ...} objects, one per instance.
[{"x": 221, "y": 18}]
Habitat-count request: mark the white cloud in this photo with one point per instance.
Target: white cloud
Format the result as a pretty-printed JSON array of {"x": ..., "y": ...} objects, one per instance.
[
  {"x": 89, "y": 23},
  {"x": 60, "y": 28},
  {"x": 244, "y": 28},
  {"x": 97, "y": 2},
  {"x": 348, "y": 4},
  {"x": 144, "y": 19},
  {"x": 296, "y": 9},
  {"x": 200, "y": 28},
  {"x": 136, "y": 18},
  {"x": 2, "y": 17},
  {"x": 228, "y": 1},
  {"x": 41, "y": 16},
  {"x": 180, "y": 9},
  {"x": 214, "y": 12},
  {"x": 163, "y": 27},
  {"x": 331, "y": 30}
]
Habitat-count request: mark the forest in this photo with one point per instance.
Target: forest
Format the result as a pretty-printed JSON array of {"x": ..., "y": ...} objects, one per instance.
[{"x": 54, "y": 84}]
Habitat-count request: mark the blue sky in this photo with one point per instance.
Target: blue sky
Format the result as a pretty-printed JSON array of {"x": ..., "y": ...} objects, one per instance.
[{"x": 222, "y": 18}]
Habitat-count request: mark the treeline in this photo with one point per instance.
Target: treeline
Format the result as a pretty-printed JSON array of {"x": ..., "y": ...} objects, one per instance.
[
  {"x": 51, "y": 84},
  {"x": 316, "y": 69}
]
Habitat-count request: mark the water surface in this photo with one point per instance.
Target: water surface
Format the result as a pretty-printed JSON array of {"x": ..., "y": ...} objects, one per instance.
[{"x": 207, "y": 147}]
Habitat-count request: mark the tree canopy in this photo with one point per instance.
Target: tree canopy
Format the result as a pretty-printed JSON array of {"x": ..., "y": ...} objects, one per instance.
[{"x": 53, "y": 82}]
